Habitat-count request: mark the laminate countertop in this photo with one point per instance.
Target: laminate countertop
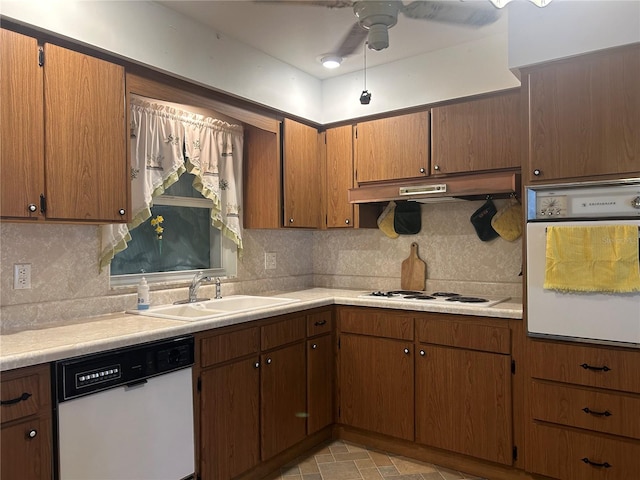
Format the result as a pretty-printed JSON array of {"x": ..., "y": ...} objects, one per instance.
[{"x": 105, "y": 332}]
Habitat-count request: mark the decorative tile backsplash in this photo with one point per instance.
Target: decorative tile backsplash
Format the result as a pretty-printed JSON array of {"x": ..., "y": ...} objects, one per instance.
[{"x": 66, "y": 283}]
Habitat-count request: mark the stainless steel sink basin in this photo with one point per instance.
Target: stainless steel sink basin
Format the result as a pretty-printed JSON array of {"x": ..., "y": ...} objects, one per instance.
[{"x": 190, "y": 312}]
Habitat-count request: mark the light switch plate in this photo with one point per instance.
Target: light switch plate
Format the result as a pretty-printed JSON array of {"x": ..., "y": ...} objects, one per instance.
[
  {"x": 270, "y": 260},
  {"x": 21, "y": 276}
]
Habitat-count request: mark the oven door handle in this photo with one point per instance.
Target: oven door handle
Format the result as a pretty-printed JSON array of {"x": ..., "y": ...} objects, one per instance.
[{"x": 136, "y": 383}]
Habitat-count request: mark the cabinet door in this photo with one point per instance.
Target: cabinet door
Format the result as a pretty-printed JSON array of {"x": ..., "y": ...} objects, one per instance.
[
  {"x": 376, "y": 385},
  {"x": 302, "y": 195},
  {"x": 21, "y": 126},
  {"x": 476, "y": 135},
  {"x": 85, "y": 146},
  {"x": 229, "y": 420},
  {"x": 262, "y": 177},
  {"x": 283, "y": 393},
  {"x": 319, "y": 383},
  {"x": 584, "y": 116},
  {"x": 463, "y": 402},
  {"x": 26, "y": 452},
  {"x": 339, "y": 176},
  {"x": 392, "y": 148}
]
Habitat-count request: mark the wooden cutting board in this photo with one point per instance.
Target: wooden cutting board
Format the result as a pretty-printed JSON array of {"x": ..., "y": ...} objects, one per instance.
[{"x": 414, "y": 271}]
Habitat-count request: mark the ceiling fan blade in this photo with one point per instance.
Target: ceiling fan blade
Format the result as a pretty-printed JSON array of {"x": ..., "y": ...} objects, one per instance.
[
  {"x": 351, "y": 41},
  {"x": 458, "y": 13}
]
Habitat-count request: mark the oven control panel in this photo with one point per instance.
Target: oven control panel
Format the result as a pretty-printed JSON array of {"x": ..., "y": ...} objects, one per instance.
[{"x": 583, "y": 201}]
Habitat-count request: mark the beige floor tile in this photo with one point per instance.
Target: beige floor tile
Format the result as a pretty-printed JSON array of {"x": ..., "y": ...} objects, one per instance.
[
  {"x": 432, "y": 476},
  {"x": 449, "y": 474},
  {"x": 309, "y": 466},
  {"x": 324, "y": 458},
  {"x": 365, "y": 463},
  {"x": 341, "y": 457},
  {"x": 312, "y": 476},
  {"x": 356, "y": 448},
  {"x": 335, "y": 449},
  {"x": 407, "y": 466},
  {"x": 290, "y": 471},
  {"x": 339, "y": 471},
  {"x": 388, "y": 471},
  {"x": 370, "y": 474},
  {"x": 380, "y": 459}
]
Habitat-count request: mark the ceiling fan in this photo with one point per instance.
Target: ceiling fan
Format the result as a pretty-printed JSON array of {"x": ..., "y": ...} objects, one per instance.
[{"x": 374, "y": 18}]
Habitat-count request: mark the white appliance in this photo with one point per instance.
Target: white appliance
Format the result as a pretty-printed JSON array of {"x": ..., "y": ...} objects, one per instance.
[
  {"x": 590, "y": 317},
  {"x": 127, "y": 414}
]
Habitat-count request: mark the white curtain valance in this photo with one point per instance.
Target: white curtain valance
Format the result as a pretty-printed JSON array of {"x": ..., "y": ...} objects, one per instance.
[{"x": 160, "y": 136}]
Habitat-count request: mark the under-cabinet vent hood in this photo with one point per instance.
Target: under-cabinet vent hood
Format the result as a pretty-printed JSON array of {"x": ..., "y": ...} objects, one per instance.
[{"x": 439, "y": 189}]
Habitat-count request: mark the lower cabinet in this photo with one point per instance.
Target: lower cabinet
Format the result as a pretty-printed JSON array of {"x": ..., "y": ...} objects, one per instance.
[
  {"x": 253, "y": 384},
  {"x": 25, "y": 435},
  {"x": 463, "y": 386}
]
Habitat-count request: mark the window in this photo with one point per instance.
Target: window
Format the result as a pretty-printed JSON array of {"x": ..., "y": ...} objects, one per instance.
[{"x": 187, "y": 241}]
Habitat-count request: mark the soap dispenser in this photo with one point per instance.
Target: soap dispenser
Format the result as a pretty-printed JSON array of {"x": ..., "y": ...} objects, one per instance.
[{"x": 143, "y": 294}]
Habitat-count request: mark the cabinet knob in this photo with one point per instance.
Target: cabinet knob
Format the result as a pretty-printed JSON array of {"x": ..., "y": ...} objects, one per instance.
[
  {"x": 537, "y": 172},
  {"x": 406, "y": 351},
  {"x": 32, "y": 208},
  {"x": 314, "y": 346},
  {"x": 268, "y": 361},
  {"x": 422, "y": 353},
  {"x": 32, "y": 433},
  {"x": 291, "y": 220},
  {"x": 436, "y": 168},
  {"x": 635, "y": 203},
  {"x": 122, "y": 211},
  {"x": 347, "y": 221},
  {"x": 256, "y": 365},
  {"x": 422, "y": 170}
]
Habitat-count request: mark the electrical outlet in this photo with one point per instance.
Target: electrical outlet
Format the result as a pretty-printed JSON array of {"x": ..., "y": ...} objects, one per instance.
[
  {"x": 21, "y": 276},
  {"x": 270, "y": 260}
]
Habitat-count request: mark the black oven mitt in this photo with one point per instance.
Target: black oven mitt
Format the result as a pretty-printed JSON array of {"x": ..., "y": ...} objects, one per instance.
[
  {"x": 407, "y": 219},
  {"x": 481, "y": 220}
]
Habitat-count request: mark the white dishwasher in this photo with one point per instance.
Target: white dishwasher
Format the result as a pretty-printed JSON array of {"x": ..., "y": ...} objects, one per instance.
[{"x": 126, "y": 414}]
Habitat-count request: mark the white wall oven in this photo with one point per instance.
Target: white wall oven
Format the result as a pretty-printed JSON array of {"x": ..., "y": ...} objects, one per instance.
[{"x": 596, "y": 301}]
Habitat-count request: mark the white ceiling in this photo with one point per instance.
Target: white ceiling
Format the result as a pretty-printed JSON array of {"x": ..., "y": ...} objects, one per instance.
[{"x": 301, "y": 34}]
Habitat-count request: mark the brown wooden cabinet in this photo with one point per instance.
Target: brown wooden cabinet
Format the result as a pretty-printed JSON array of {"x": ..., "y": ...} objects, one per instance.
[
  {"x": 301, "y": 174},
  {"x": 320, "y": 370},
  {"x": 262, "y": 172},
  {"x": 392, "y": 148},
  {"x": 25, "y": 434},
  {"x": 339, "y": 176},
  {"x": 463, "y": 387},
  {"x": 584, "y": 116},
  {"x": 477, "y": 135},
  {"x": 72, "y": 132},
  {"x": 377, "y": 372},
  {"x": 584, "y": 406}
]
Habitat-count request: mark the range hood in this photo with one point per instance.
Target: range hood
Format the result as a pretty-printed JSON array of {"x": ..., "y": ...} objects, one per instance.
[{"x": 440, "y": 189}]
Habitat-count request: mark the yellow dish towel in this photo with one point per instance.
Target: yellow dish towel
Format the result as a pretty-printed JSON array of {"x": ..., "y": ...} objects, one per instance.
[{"x": 592, "y": 259}]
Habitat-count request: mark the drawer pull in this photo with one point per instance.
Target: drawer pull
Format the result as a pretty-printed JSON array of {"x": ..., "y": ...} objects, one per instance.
[
  {"x": 586, "y": 366},
  {"x": 320, "y": 323},
  {"x": 606, "y": 413},
  {"x": 21, "y": 398},
  {"x": 595, "y": 464}
]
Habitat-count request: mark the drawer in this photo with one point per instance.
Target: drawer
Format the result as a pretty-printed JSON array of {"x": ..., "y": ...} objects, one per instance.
[
  {"x": 570, "y": 455},
  {"x": 618, "y": 414},
  {"x": 24, "y": 392},
  {"x": 282, "y": 332},
  {"x": 466, "y": 334},
  {"x": 227, "y": 346},
  {"x": 375, "y": 322},
  {"x": 586, "y": 365},
  {"x": 319, "y": 323}
]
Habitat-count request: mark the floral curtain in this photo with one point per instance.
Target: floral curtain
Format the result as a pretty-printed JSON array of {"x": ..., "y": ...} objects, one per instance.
[{"x": 160, "y": 136}]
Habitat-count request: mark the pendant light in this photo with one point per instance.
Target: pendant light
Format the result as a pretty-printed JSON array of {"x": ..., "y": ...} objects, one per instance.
[{"x": 365, "y": 96}]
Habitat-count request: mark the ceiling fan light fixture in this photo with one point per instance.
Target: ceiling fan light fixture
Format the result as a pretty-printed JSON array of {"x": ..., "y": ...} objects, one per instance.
[
  {"x": 503, "y": 3},
  {"x": 378, "y": 37},
  {"x": 331, "y": 61}
]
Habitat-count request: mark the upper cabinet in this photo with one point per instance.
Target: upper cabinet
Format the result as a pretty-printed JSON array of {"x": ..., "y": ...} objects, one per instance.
[
  {"x": 339, "y": 176},
  {"x": 301, "y": 174},
  {"x": 584, "y": 116},
  {"x": 392, "y": 148},
  {"x": 65, "y": 114},
  {"x": 476, "y": 135}
]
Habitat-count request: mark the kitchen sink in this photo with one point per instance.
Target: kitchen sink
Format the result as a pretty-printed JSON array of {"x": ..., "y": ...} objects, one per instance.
[{"x": 204, "y": 310}]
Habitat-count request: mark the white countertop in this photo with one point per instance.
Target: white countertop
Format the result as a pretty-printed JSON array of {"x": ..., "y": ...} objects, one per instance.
[{"x": 106, "y": 332}]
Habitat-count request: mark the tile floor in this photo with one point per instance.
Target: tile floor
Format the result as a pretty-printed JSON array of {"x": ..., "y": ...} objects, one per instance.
[{"x": 340, "y": 460}]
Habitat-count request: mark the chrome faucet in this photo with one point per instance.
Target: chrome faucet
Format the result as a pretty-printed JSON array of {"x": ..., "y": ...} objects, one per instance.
[
  {"x": 218, "y": 289},
  {"x": 198, "y": 278}
]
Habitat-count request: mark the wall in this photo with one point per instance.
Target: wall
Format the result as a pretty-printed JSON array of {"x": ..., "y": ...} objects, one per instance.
[{"x": 66, "y": 283}]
